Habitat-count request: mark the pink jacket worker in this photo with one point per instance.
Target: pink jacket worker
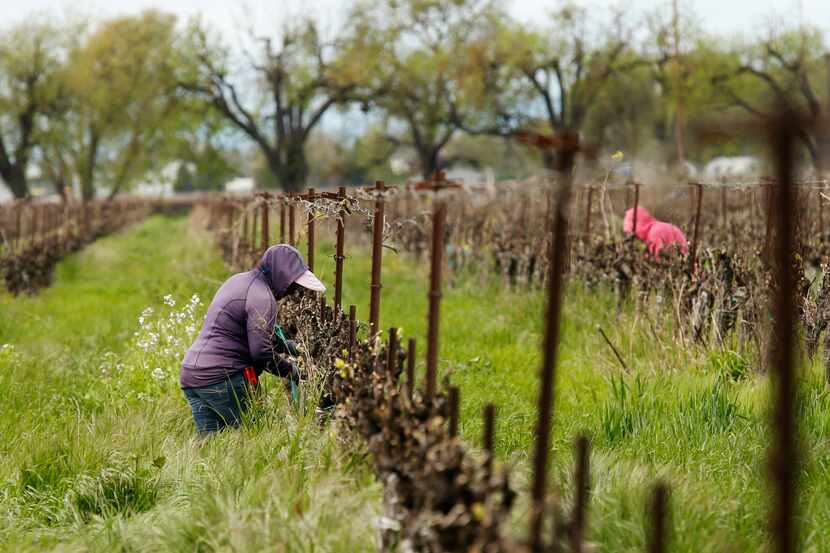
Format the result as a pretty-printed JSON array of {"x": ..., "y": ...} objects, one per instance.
[{"x": 656, "y": 234}]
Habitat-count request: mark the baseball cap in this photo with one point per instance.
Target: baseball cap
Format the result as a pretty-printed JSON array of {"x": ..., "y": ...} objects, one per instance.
[{"x": 308, "y": 280}]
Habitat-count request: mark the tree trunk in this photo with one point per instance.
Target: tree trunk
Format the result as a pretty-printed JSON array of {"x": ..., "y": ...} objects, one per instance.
[
  {"x": 88, "y": 171},
  {"x": 292, "y": 173},
  {"x": 549, "y": 159},
  {"x": 15, "y": 178},
  {"x": 429, "y": 161}
]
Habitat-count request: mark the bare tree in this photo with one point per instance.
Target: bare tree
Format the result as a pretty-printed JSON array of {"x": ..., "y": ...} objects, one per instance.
[
  {"x": 790, "y": 69},
  {"x": 562, "y": 71},
  {"x": 300, "y": 78}
]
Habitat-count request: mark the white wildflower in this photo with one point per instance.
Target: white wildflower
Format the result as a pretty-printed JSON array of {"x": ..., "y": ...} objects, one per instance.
[{"x": 158, "y": 373}]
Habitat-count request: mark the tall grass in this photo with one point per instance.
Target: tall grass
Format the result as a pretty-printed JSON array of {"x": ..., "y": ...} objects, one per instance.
[
  {"x": 693, "y": 415},
  {"x": 97, "y": 449}
]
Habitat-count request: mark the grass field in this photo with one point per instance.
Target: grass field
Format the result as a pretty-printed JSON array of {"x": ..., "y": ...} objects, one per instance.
[{"x": 97, "y": 449}]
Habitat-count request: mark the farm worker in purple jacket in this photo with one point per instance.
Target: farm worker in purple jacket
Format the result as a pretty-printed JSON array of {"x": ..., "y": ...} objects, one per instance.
[
  {"x": 656, "y": 234},
  {"x": 237, "y": 334}
]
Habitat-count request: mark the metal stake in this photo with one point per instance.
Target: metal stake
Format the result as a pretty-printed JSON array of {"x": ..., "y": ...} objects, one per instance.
[
  {"x": 693, "y": 252},
  {"x": 410, "y": 369},
  {"x": 291, "y": 233},
  {"x": 658, "y": 536},
  {"x": 266, "y": 232},
  {"x": 453, "y": 401},
  {"x": 582, "y": 479},
  {"x": 352, "y": 330},
  {"x": 783, "y": 452},
  {"x": 551, "y": 344},
  {"x": 310, "y": 232},
  {"x": 339, "y": 257},
  {"x": 438, "y": 218},
  {"x": 377, "y": 258},
  {"x": 489, "y": 434}
]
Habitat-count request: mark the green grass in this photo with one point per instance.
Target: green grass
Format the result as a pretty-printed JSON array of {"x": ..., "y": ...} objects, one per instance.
[
  {"x": 98, "y": 454},
  {"x": 692, "y": 416}
]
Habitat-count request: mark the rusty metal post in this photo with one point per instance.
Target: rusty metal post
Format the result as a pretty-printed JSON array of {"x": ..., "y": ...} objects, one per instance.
[
  {"x": 439, "y": 215},
  {"x": 229, "y": 218},
  {"x": 489, "y": 434},
  {"x": 254, "y": 229},
  {"x": 352, "y": 330},
  {"x": 46, "y": 225},
  {"x": 693, "y": 252},
  {"x": 392, "y": 352},
  {"x": 752, "y": 207},
  {"x": 291, "y": 225},
  {"x": 244, "y": 238},
  {"x": 551, "y": 345},
  {"x": 338, "y": 256},
  {"x": 53, "y": 225},
  {"x": 85, "y": 226},
  {"x": 310, "y": 232},
  {"x": 453, "y": 401},
  {"x": 658, "y": 534},
  {"x": 588, "y": 213},
  {"x": 266, "y": 231},
  {"x": 377, "y": 258},
  {"x": 410, "y": 369},
  {"x": 783, "y": 454},
  {"x": 723, "y": 205},
  {"x": 18, "y": 226},
  {"x": 582, "y": 478},
  {"x": 35, "y": 231},
  {"x": 636, "y": 205},
  {"x": 282, "y": 220},
  {"x": 770, "y": 189}
]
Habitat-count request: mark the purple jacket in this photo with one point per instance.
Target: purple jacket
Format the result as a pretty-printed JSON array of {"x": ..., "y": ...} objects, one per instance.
[{"x": 239, "y": 325}]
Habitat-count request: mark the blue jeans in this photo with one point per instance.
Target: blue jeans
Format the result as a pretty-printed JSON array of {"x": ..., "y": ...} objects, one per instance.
[{"x": 219, "y": 405}]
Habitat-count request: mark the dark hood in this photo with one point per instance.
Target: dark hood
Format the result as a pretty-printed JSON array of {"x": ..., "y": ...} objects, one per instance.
[{"x": 281, "y": 265}]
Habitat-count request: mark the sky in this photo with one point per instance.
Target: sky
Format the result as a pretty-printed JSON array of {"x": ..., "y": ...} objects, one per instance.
[
  {"x": 234, "y": 18},
  {"x": 745, "y": 17}
]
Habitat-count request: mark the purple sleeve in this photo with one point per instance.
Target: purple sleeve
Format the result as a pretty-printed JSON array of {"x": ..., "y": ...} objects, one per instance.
[{"x": 261, "y": 315}]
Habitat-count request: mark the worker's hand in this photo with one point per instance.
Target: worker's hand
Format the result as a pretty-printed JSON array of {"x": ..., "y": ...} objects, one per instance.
[
  {"x": 286, "y": 347},
  {"x": 291, "y": 348},
  {"x": 297, "y": 374}
]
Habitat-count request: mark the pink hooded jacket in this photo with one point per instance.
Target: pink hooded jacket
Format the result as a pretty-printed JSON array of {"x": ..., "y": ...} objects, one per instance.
[{"x": 656, "y": 234}]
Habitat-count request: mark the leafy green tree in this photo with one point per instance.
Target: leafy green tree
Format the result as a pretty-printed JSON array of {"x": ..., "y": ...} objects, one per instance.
[
  {"x": 184, "y": 179},
  {"x": 122, "y": 104},
  {"x": 202, "y": 140},
  {"x": 424, "y": 81},
  {"x": 30, "y": 57}
]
